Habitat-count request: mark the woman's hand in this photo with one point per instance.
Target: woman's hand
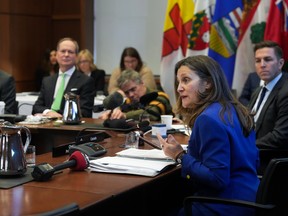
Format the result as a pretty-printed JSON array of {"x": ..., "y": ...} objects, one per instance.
[{"x": 170, "y": 146}]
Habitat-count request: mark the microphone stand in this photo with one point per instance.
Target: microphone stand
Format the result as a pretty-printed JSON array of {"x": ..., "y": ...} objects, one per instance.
[
  {"x": 147, "y": 109},
  {"x": 150, "y": 143}
]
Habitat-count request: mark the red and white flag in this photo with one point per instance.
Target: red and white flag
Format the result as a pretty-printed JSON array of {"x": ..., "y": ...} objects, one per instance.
[
  {"x": 177, "y": 26},
  {"x": 186, "y": 32},
  {"x": 252, "y": 31},
  {"x": 277, "y": 24}
]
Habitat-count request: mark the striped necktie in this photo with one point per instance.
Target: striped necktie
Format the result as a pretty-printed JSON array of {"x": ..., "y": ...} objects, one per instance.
[{"x": 58, "y": 99}]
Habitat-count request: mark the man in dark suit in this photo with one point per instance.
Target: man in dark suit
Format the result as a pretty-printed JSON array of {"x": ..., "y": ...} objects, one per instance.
[
  {"x": 251, "y": 84},
  {"x": 8, "y": 93},
  {"x": 271, "y": 117},
  {"x": 75, "y": 81}
]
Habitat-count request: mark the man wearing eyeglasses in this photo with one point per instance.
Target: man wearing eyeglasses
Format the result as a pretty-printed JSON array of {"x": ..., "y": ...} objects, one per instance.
[
  {"x": 131, "y": 84},
  {"x": 51, "y": 101}
]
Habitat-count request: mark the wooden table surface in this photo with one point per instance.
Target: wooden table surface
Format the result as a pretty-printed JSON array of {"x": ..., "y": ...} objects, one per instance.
[{"x": 96, "y": 193}]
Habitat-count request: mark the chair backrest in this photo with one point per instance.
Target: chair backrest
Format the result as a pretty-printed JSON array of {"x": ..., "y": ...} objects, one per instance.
[
  {"x": 267, "y": 154},
  {"x": 273, "y": 188},
  {"x": 71, "y": 209}
]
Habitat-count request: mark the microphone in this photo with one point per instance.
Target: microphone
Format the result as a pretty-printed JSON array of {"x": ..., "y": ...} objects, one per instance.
[
  {"x": 13, "y": 118},
  {"x": 44, "y": 171},
  {"x": 113, "y": 101},
  {"x": 147, "y": 98},
  {"x": 125, "y": 124},
  {"x": 150, "y": 143}
]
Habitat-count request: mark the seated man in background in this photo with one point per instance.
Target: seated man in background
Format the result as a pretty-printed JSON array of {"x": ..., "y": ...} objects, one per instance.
[
  {"x": 51, "y": 101},
  {"x": 269, "y": 103},
  {"x": 8, "y": 93},
  {"x": 139, "y": 100},
  {"x": 252, "y": 82}
]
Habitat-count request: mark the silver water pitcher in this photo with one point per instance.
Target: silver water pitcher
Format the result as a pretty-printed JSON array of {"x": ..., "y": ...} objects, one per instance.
[
  {"x": 72, "y": 111},
  {"x": 12, "y": 150}
]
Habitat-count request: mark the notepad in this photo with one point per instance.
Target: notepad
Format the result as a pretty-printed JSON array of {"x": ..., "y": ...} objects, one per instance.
[
  {"x": 144, "y": 154},
  {"x": 134, "y": 161}
]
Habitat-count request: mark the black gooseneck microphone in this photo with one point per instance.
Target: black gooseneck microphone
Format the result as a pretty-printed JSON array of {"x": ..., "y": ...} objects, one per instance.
[
  {"x": 113, "y": 101},
  {"x": 145, "y": 100},
  {"x": 150, "y": 143},
  {"x": 44, "y": 171},
  {"x": 125, "y": 124}
]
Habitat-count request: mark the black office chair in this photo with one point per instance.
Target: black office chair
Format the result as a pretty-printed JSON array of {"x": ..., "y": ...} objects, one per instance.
[
  {"x": 265, "y": 155},
  {"x": 272, "y": 194},
  {"x": 67, "y": 210}
]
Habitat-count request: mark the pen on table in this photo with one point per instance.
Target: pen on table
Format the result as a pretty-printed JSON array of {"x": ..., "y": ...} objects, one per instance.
[{"x": 150, "y": 143}]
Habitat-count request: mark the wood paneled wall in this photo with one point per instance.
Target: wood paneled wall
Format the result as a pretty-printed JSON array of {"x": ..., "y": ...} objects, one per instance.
[{"x": 28, "y": 28}]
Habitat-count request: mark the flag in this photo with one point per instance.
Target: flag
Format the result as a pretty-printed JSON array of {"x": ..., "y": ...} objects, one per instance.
[
  {"x": 277, "y": 25},
  {"x": 224, "y": 32},
  {"x": 252, "y": 30},
  {"x": 199, "y": 28},
  {"x": 177, "y": 26}
]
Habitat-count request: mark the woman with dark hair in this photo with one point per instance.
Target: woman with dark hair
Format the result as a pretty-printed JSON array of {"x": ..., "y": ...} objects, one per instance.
[
  {"x": 130, "y": 59},
  {"x": 47, "y": 67},
  {"x": 222, "y": 158}
]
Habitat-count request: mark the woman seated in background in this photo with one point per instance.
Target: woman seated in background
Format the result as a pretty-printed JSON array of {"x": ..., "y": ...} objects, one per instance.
[
  {"x": 85, "y": 64},
  {"x": 47, "y": 67},
  {"x": 130, "y": 59}
]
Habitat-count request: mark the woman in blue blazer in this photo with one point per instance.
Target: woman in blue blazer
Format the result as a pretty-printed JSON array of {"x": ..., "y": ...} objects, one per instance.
[{"x": 222, "y": 157}]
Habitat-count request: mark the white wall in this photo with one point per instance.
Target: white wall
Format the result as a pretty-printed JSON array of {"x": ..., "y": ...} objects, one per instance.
[{"x": 122, "y": 23}]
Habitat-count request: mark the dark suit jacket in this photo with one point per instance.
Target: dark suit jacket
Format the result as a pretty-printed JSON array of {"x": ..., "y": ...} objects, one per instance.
[
  {"x": 8, "y": 93},
  {"x": 99, "y": 79},
  {"x": 251, "y": 84},
  {"x": 272, "y": 124},
  {"x": 78, "y": 80}
]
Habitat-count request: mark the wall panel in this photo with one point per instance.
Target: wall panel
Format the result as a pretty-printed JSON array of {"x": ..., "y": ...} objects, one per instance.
[{"x": 29, "y": 27}]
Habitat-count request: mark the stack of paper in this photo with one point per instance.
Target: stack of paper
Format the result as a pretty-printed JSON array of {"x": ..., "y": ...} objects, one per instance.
[
  {"x": 144, "y": 154},
  {"x": 133, "y": 161}
]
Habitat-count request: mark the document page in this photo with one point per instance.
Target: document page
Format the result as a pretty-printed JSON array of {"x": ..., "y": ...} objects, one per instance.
[
  {"x": 131, "y": 165},
  {"x": 144, "y": 154}
]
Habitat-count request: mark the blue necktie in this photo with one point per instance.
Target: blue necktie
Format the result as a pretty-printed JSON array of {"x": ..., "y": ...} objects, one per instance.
[{"x": 264, "y": 89}]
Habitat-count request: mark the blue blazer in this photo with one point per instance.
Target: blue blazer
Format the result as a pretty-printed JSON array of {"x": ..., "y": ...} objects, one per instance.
[{"x": 221, "y": 162}]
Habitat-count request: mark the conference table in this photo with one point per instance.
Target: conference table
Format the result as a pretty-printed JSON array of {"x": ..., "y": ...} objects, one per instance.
[
  {"x": 95, "y": 193},
  {"x": 26, "y": 101}
]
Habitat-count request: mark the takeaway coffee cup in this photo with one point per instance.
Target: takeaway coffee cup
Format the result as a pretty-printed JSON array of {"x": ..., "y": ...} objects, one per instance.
[{"x": 167, "y": 119}]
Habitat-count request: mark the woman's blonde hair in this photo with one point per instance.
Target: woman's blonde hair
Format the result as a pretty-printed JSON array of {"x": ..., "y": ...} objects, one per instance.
[{"x": 87, "y": 55}]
